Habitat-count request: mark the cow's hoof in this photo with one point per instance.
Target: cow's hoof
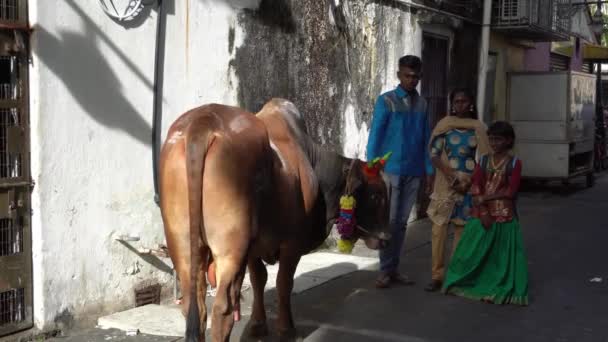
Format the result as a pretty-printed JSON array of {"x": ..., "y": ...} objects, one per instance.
[
  {"x": 257, "y": 329},
  {"x": 287, "y": 335}
]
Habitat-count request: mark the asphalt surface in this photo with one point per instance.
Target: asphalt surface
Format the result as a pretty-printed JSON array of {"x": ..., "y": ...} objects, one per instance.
[{"x": 565, "y": 232}]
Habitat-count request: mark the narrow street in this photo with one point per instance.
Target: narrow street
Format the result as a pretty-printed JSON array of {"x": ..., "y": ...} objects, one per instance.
[{"x": 565, "y": 235}]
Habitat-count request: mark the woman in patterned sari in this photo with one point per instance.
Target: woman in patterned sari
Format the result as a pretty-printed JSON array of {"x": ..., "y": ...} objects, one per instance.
[{"x": 455, "y": 142}]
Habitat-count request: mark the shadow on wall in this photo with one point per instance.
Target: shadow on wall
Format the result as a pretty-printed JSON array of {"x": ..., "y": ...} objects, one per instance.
[
  {"x": 76, "y": 59},
  {"x": 274, "y": 13}
]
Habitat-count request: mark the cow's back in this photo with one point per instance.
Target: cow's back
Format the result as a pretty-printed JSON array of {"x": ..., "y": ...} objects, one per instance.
[
  {"x": 236, "y": 172},
  {"x": 298, "y": 186}
]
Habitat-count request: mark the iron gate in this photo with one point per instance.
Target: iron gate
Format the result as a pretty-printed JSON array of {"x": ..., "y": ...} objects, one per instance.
[
  {"x": 435, "y": 51},
  {"x": 15, "y": 182},
  {"x": 435, "y": 72}
]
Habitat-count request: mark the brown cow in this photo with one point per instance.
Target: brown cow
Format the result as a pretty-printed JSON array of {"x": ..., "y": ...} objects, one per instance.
[{"x": 250, "y": 188}]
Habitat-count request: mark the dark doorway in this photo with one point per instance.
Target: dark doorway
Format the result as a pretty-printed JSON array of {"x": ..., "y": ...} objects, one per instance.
[
  {"x": 435, "y": 73},
  {"x": 434, "y": 90}
]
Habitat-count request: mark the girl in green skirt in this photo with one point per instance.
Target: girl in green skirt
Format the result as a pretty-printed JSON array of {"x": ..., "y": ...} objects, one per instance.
[{"x": 489, "y": 263}]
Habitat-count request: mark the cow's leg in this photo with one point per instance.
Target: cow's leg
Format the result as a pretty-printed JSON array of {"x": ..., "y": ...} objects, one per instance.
[
  {"x": 183, "y": 271},
  {"x": 288, "y": 262},
  {"x": 226, "y": 306},
  {"x": 257, "y": 326}
]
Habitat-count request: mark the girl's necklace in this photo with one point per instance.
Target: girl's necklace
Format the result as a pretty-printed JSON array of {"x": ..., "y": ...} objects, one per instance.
[{"x": 494, "y": 166}]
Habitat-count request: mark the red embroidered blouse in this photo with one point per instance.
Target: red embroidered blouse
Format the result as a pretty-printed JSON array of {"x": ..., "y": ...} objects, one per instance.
[{"x": 492, "y": 181}]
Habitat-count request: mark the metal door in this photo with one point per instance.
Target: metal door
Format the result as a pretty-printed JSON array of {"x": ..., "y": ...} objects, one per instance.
[
  {"x": 434, "y": 90},
  {"x": 435, "y": 72}
]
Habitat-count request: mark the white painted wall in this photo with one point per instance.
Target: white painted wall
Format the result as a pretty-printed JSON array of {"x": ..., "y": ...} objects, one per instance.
[
  {"x": 91, "y": 116},
  {"x": 91, "y": 111}
]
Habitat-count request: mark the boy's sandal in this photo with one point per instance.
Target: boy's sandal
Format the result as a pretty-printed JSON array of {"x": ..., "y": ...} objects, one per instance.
[
  {"x": 402, "y": 279},
  {"x": 383, "y": 281}
]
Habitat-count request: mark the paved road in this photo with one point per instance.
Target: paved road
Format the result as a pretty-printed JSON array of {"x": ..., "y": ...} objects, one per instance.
[{"x": 565, "y": 233}]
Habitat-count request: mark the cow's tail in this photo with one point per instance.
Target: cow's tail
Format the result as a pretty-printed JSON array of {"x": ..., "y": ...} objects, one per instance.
[{"x": 199, "y": 137}]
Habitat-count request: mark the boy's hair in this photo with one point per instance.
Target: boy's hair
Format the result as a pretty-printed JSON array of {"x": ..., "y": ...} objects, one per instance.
[
  {"x": 503, "y": 129},
  {"x": 469, "y": 94},
  {"x": 412, "y": 62}
]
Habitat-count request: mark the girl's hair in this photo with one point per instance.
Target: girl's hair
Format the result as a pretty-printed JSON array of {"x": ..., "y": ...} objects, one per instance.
[
  {"x": 469, "y": 94},
  {"x": 503, "y": 129}
]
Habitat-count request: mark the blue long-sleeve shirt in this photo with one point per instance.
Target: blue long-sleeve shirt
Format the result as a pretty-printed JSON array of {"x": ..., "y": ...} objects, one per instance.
[{"x": 400, "y": 124}]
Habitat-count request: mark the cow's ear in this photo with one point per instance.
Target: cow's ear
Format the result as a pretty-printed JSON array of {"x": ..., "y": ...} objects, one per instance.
[{"x": 354, "y": 176}]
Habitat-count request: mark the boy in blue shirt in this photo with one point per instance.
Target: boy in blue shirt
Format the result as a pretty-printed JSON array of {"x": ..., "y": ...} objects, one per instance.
[{"x": 400, "y": 125}]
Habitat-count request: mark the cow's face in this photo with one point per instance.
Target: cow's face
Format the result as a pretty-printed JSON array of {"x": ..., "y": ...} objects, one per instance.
[{"x": 372, "y": 210}]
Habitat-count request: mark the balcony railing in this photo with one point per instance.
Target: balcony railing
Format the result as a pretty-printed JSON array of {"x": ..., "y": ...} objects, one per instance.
[{"x": 536, "y": 20}]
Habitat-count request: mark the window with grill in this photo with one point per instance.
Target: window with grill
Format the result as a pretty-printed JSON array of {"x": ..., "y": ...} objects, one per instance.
[
  {"x": 12, "y": 306},
  {"x": 15, "y": 228},
  {"x": 11, "y": 236},
  {"x": 13, "y": 11},
  {"x": 9, "y": 10},
  {"x": 588, "y": 68},
  {"x": 11, "y": 125},
  {"x": 509, "y": 9},
  {"x": 559, "y": 62}
]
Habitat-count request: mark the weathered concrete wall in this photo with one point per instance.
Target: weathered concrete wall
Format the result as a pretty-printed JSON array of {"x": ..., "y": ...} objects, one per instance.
[
  {"x": 332, "y": 63},
  {"x": 91, "y": 113},
  {"x": 91, "y": 105}
]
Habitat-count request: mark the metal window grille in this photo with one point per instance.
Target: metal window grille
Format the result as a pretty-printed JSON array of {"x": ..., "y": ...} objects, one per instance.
[
  {"x": 11, "y": 236},
  {"x": 12, "y": 306},
  {"x": 561, "y": 19},
  {"x": 537, "y": 19},
  {"x": 10, "y": 163},
  {"x": 15, "y": 226},
  {"x": 587, "y": 68},
  {"x": 559, "y": 63},
  {"x": 9, "y": 78},
  {"x": 10, "y": 118},
  {"x": 509, "y": 9},
  {"x": 9, "y": 10}
]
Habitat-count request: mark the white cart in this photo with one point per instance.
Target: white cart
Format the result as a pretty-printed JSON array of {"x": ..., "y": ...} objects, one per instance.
[{"x": 553, "y": 114}]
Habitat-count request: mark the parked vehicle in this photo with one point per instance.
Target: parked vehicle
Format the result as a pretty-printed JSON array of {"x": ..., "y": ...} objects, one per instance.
[{"x": 553, "y": 114}]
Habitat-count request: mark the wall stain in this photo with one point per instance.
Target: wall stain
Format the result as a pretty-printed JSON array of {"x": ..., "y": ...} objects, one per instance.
[
  {"x": 64, "y": 320},
  {"x": 327, "y": 59},
  {"x": 337, "y": 54},
  {"x": 231, "y": 34}
]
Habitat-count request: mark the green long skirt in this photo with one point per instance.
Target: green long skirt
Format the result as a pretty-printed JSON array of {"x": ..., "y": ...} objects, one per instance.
[{"x": 489, "y": 265}]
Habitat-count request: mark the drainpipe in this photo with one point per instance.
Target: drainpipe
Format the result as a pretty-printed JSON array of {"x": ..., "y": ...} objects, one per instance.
[
  {"x": 483, "y": 57},
  {"x": 157, "y": 117}
]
